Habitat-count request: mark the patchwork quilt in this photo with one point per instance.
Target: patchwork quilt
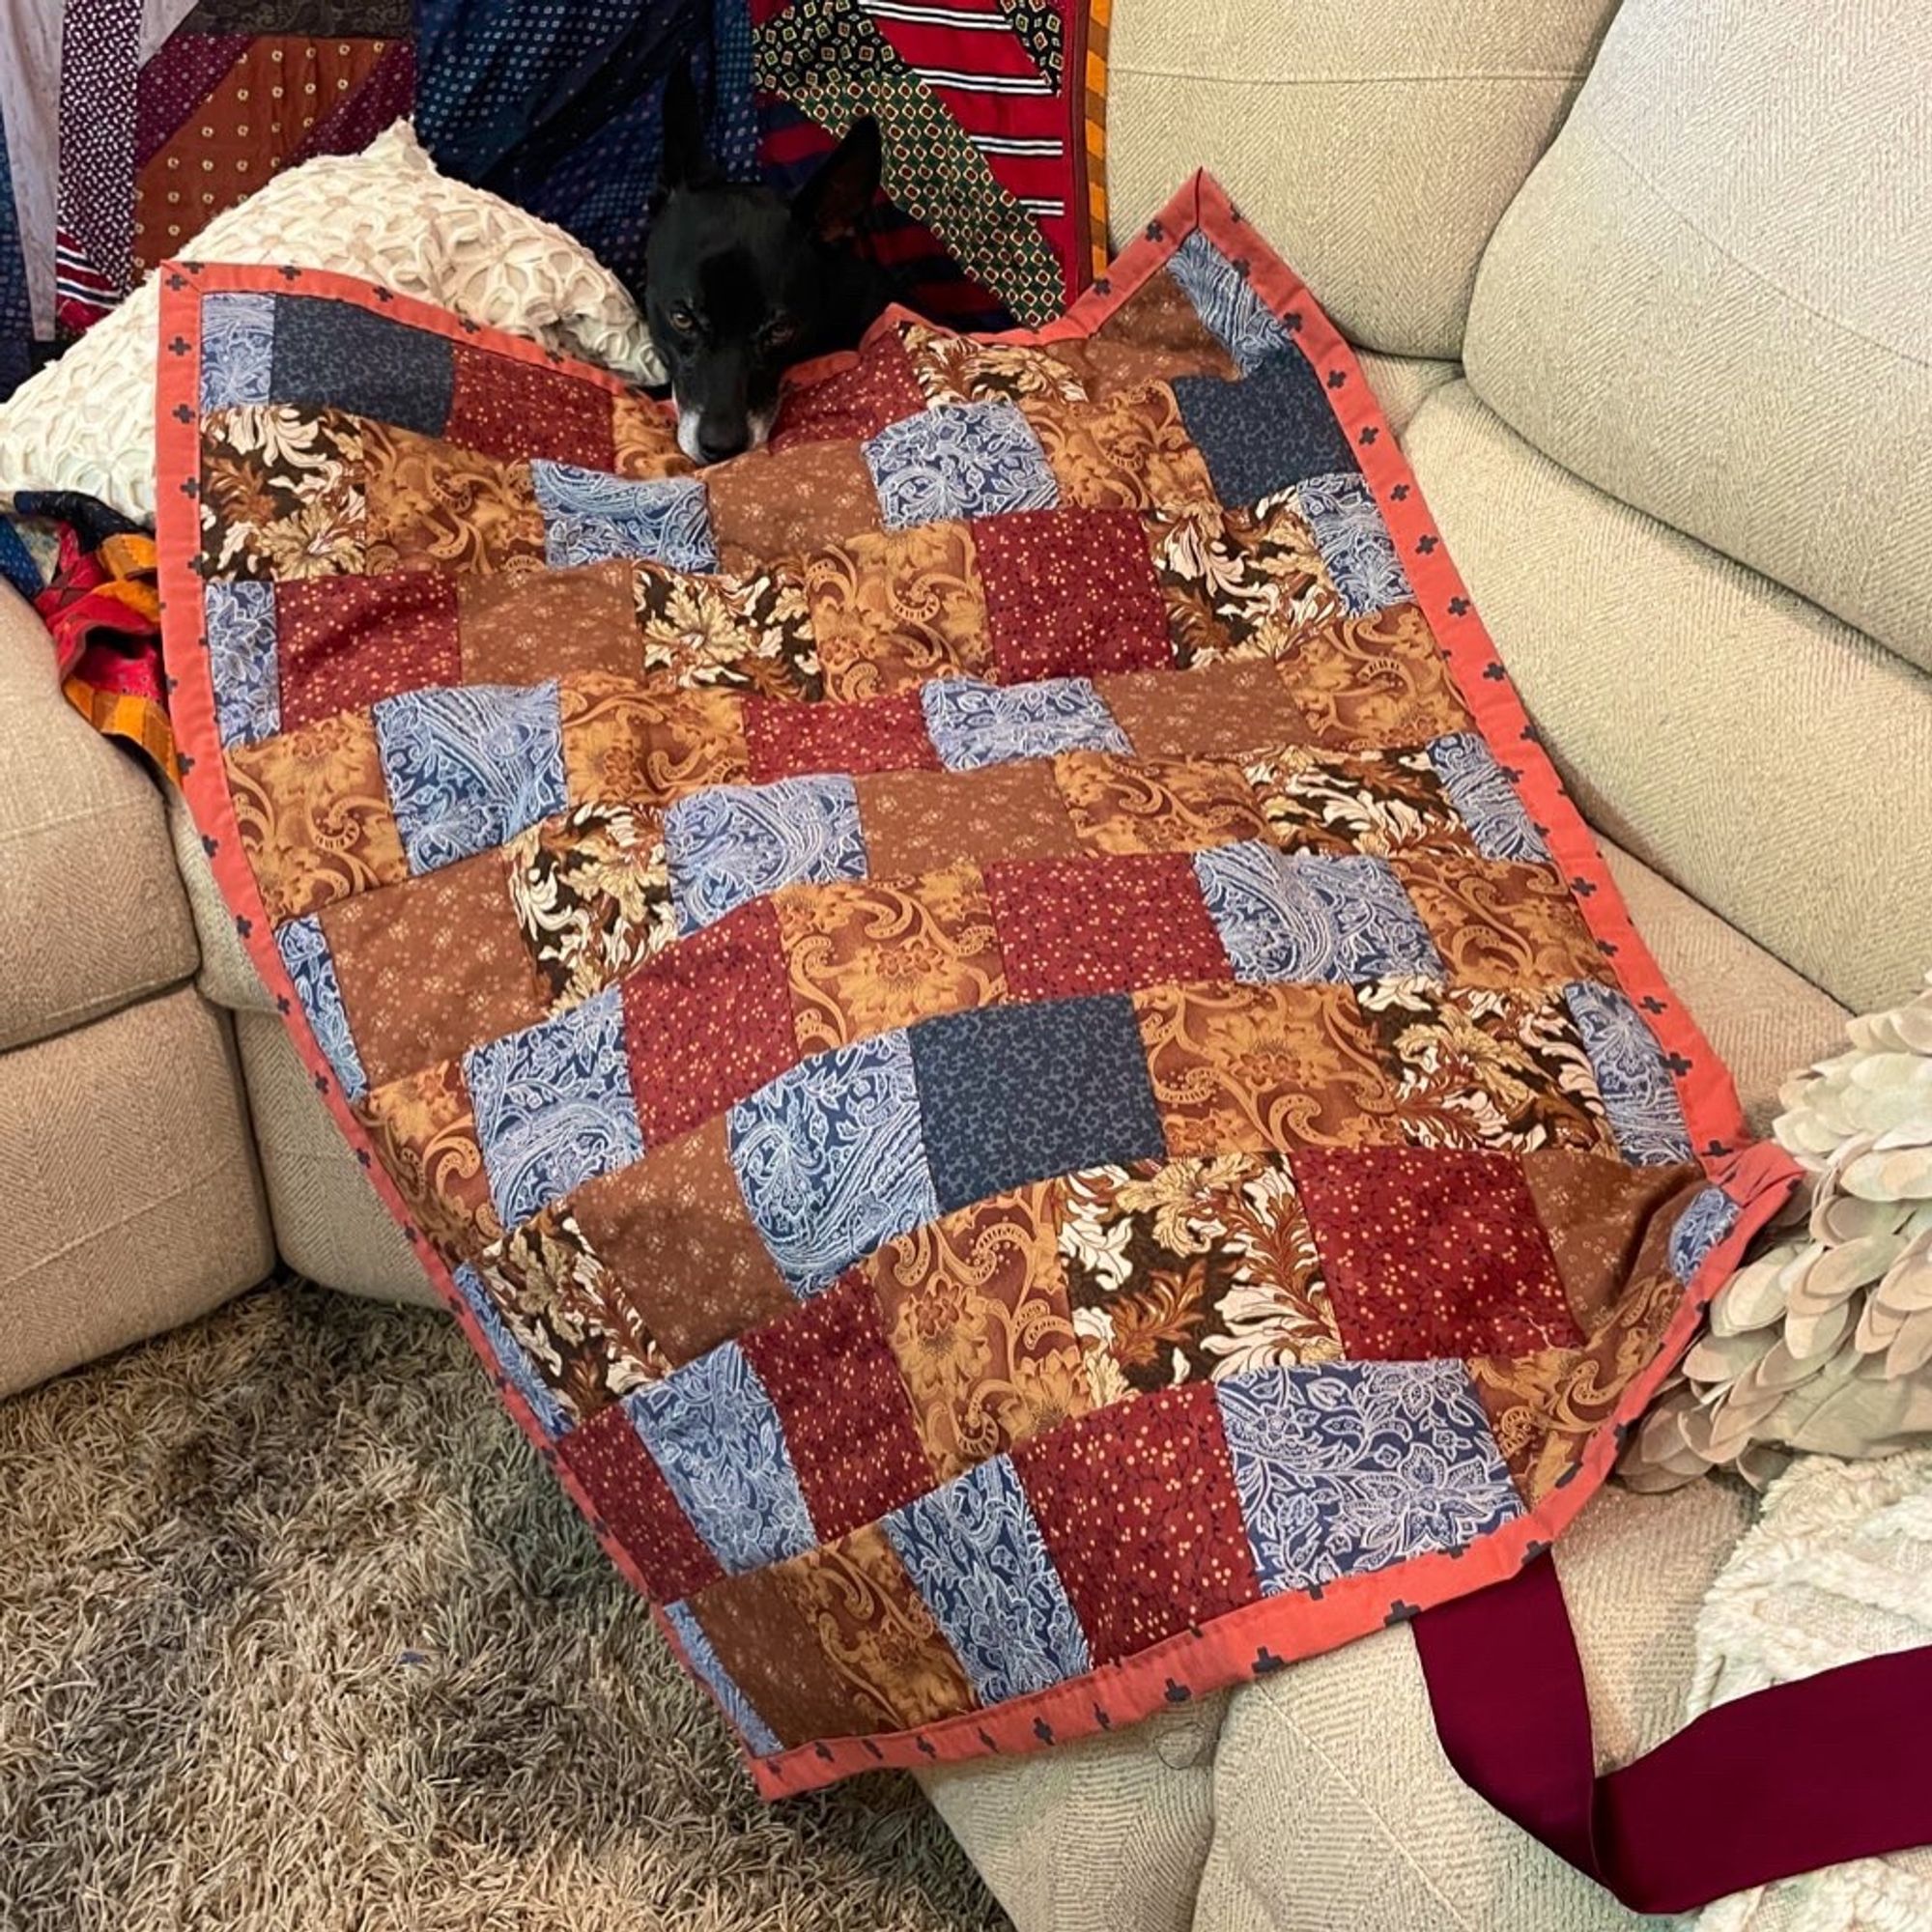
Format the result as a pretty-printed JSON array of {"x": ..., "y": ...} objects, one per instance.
[{"x": 991, "y": 1018}]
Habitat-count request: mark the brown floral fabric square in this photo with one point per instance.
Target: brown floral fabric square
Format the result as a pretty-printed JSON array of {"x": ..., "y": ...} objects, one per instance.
[
  {"x": 282, "y": 493},
  {"x": 425, "y": 1134},
  {"x": 645, "y": 437},
  {"x": 1156, "y": 805},
  {"x": 1498, "y": 924},
  {"x": 623, "y": 746},
  {"x": 894, "y": 608},
  {"x": 435, "y": 505},
  {"x": 1375, "y": 680},
  {"x": 1130, "y": 452},
  {"x": 1381, "y": 803},
  {"x": 729, "y": 634},
  {"x": 1238, "y": 582}
]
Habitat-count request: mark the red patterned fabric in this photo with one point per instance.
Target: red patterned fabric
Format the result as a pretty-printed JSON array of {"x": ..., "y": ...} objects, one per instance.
[
  {"x": 877, "y": 734},
  {"x": 630, "y": 1494},
  {"x": 351, "y": 640}
]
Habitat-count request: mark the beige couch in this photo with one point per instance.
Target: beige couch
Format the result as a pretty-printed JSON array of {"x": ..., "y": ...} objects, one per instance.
[{"x": 1663, "y": 368}]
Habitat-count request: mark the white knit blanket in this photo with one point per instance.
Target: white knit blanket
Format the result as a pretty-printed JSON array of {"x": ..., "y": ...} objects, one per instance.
[{"x": 1837, "y": 1567}]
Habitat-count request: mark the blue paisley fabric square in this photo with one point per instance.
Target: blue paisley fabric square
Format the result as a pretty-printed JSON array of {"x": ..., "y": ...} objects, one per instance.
[
  {"x": 590, "y": 515},
  {"x": 1237, "y": 318},
  {"x": 238, "y": 349},
  {"x": 1019, "y": 1094},
  {"x": 512, "y": 1362},
  {"x": 974, "y": 1551},
  {"x": 1354, "y": 542},
  {"x": 553, "y": 1106},
  {"x": 730, "y": 844},
  {"x": 336, "y": 356},
  {"x": 1486, "y": 799},
  {"x": 1266, "y": 431},
  {"x": 830, "y": 1160},
  {"x": 705, "y": 1661},
  {"x": 960, "y": 460},
  {"x": 1352, "y": 1467},
  {"x": 469, "y": 766},
  {"x": 711, "y": 1427},
  {"x": 311, "y": 966},
  {"x": 1703, "y": 1224},
  {"x": 974, "y": 725},
  {"x": 1636, "y": 1087},
  {"x": 244, "y": 660},
  {"x": 1308, "y": 916}
]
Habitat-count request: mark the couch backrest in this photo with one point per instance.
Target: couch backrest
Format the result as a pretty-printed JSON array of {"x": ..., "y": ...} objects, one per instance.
[{"x": 1375, "y": 142}]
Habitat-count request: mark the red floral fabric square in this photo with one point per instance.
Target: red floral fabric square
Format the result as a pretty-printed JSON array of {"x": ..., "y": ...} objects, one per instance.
[
  {"x": 1103, "y": 926},
  {"x": 1071, "y": 593},
  {"x": 506, "y": 407},
  {"x": 1431, "y": 1252},
  {"x": 875, "y": 388},
  {"x": 878, "y": 734},
  {"x": 1137, "y": 1507},
  {"x": 848, "y": 1420},
  {"x": 347, "y": 641},
  {"x": 630, "y": 1494},
  {"x": 708, "y": 1022}
]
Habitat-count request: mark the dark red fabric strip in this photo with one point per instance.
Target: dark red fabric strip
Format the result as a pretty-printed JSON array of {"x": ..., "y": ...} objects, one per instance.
[{"x": 1784, "y": 1781}]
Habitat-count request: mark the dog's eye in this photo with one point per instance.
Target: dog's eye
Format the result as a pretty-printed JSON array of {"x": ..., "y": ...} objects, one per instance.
[
  {"x": 778, "y": 334},
  {"x": 681, "y": 319}
]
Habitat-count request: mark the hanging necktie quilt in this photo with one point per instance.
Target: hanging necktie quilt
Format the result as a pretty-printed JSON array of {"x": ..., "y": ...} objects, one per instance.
[{"x": 990, "y": 1015}]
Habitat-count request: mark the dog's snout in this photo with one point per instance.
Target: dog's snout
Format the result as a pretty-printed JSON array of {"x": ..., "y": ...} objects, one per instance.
[{"x": 715, "y": 444}]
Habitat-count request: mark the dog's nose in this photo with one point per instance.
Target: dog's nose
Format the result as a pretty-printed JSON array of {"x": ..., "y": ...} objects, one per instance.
[{"x": 715, "y": 446}]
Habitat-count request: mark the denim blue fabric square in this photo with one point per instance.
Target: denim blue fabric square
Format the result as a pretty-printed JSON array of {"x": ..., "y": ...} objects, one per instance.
[
  {"x": 305, "y": 950},
  {"x": 1486, "y": 799},
  {"x": 1307, "y": 916},
  {"x": 705, "y": 1661},
  {"x": 590, "y": 515},
  {"x": 959, "y": 460},
  {"x": 1352, "y": 1467},
  {"x": 1018, "y": 1094},
  {"x": 974, "y": 1551},
  {"x": 829, "y": 1160},
  {"x": 1354, "y": 542},
  {"x": 335, "y": 354},
  {"x": 244, "y": 660},
  {"x": 553, "y": 1105},
  {"x": 712, "y": 1428},
  {"x": 513, "y": 1363},
  {"x": 1631, "y": 1076},
  {"x": 469, "y": 766},
  {"x": 972, "y": 724},
  {"x": 238, "y": 349},
  {"x": 1702, "y": 1225},
  {"x": 1264, "y": 432},
  {"x": 1237, "y": 318},
  {"x": 727, "y": 846}
]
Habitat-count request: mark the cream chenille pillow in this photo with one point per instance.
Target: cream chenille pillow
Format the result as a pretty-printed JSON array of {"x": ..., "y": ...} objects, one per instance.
[{"x": 87, "y": 421}]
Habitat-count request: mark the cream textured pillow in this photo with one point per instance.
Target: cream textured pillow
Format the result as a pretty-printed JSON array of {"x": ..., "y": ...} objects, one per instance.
[{"x": 87, "y": 421}]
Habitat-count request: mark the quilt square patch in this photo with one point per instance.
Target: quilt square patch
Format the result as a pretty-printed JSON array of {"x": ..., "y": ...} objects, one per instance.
[
  {"x": 728, "y": 633},
  {"x": 644, "y": 436},
  {"x": 1379, "y": 802},
  {"x": 504, "y": 1355},
  {"x": 1219, "y": 710},
  {"x": 1497, "y": 924},
  {"x": 1356, "y": 544},
  {"x": 1434, "y": 1252},
  {"x": 590, "y": 515},
  {"x": 238, "y": 346},
  {"x": 332, "y": 353},
  {"x": 1070, "y": 592},
  {"x": 425, "y": 1135},
  {"x": 1129, "y": 452},
  {"x": 787, "y": 502},
  {"x": 875, "y": 387},
  {"x": 867, "y": 957},
  {"x": 975, "y": 1553},
  {"x": 629, "y": 1493},
  {"x": 1156, "y": 333},
  {"x": 1101, "y": 925},
  {"x": 1018, "y": 1093},
  {"x": 1598, "y": 1211},
  {"x": 1237, "y": 583},
  {"x": 974, "y": 725},
  {"x": 511, "y": 408},
  {"x": 894, "y": 608},
  {"x": 435, "y": 505},
  {"x": 1366, "y": 681},
  {"x": 244, "y": 660},
  {"x": 1636, "y": 1085},
  {"x": 847, "y": 1418},
  {"x": 703, "y": 1657},
  {"x": 469, "y": 766},
  {"x": 306, "y": 953},
  {"x": 1244, "y": 326},
  {"x": 733, "y": 843},
  {"x": 876, "y": 735},
  {"x": 1301, "y": 915},
  {"x": 553, "y": 1106},
  {"x": 1486, "y": 799},
  {"x": 1266, "y": 431},
  {"x": 708, "y": 1022},
  {"x": 282, "y": 493},
  {"x": 1351, "y": 1467},
  {"x": 523, "y": 627},
  {"x": 830, "y": 1160},
  {"x": 347, "y": 641},
  {"x": 711, "y": 1427},
  {"x": 970, "y": 459},
  {"x": 628, "y": 745},
  {"x": 952, "y": 368},
  {"x": 1156, "y": 805},
  {"x": 924, "y": 821},
  {"x": 1137, "y": 1505}
]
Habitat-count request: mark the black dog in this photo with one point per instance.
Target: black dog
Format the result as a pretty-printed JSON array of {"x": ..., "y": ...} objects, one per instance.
[{"x": 739, "y": 284}]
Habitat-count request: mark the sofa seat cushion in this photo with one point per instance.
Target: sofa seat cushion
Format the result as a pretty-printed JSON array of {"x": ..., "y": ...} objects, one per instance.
[
  {"x": 1770, "y": 760},
  {"x": 92, "y": 913}
]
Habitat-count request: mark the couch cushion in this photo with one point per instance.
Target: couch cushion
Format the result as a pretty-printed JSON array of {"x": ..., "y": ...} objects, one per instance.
[
  {"x": 1375, "y": 142},
  {"x": 1713, "y": 298},
  {"x": 1770, "y": 760},
  {"x": 92, "y": 913},
  {"x": 227, "y": 975}
]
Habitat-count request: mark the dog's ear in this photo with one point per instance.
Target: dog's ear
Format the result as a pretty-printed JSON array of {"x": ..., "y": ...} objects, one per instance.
[
  {"x": 686, "y": 161},
  {"x": 834, "y": 201}
]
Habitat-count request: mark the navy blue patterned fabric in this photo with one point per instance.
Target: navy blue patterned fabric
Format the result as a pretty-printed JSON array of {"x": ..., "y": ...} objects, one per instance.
[
  {"x": 16, "y": 320},
  {"x": 1018, "y": 1094},
  {"x": 1264, "y": 432},
  {"x": 328, "y": 353}
]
